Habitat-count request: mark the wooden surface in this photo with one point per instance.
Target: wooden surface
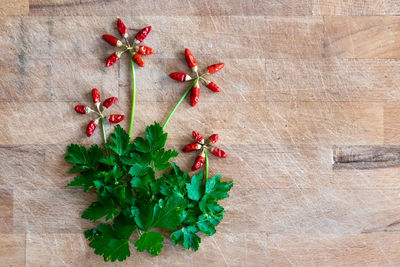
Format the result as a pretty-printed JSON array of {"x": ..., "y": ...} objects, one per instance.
[{"x": 309, "y": 114}]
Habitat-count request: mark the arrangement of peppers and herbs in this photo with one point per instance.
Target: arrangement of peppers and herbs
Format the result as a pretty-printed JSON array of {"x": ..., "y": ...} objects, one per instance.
[{"x": 139, "y": 190}]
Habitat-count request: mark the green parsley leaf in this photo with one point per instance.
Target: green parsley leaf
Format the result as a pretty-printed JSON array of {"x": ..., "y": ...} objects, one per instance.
[
  {"x": 174, "y": 181},
  {"x": 115, "y": 175},
  {"x": 195, "y": 187},
  {"x": 207, "y": 223},
  {"x": 144, "y": 215},
  {"x": 215, "y": 190},
  {"x": 110, "y": 160},
  {"x": 161, "y": 158},
  {"x": 141, "y": 145},
  {"x": 167, "y": 215},
  {"x": 187, "y": 237},
  {"x": 120, "y": 141},
  {"x": 84, "y": 159},
  {"x": 111, "y": 241},
  {"x": 98, "y": 210},
  {"x": 77, "y": 154},
  {"x": 150, "y": 241},
  {"x": 155, "y": 136},
  {"x": 143, "y": 177},
  {"x": 85, "y": 180}
]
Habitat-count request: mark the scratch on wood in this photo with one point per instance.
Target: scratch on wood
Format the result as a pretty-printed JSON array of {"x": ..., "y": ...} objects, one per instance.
[
  {"x": 80, "y": 3},
  {"x": 388, "y": 228},
  {"x": 365, "y": 157}
]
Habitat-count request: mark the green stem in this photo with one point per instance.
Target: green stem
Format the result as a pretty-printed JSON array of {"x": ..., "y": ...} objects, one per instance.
[
  {"x": 206, "y": 163},
  {"x": 179, "y": 102},
  {"x": 104, "y": 130},
  {"x": 133, "y": 96}
]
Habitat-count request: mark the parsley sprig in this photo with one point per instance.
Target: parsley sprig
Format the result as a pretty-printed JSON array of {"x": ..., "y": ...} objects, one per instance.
[{"x": 139, "y": 189}]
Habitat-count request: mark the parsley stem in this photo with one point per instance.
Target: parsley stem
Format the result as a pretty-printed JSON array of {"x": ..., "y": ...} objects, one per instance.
[
  {"x": 104, "y": 131},
  {"x": 133, "y": 96},
  {"x": 179, "y": 102},
  {"x": 206, "y": 163}
]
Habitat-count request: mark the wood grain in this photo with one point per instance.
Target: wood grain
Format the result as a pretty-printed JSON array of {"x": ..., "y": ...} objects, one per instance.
[
  {"x": 378, "y": 249},
  {"x": 176, "y": 8},
  {"x": 305, "y": 84},
  {"x": 356, "y": 7},
  {"x": 364, "y": 157},
  {"x": 12, "y": 7},
  {"x": 362, "y": 37}
]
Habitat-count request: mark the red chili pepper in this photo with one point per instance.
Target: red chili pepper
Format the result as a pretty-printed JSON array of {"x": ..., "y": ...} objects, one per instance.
[
  {"x": 137, "y": 58},
  {"x": 218, "y": 152},
  {"x": 191, "y": 61},
  {"x": 145, "y": 50},
  {"x": 213, "y": 138},
  {"x": 191, "y": 147},
  {"x": 109, "y": 101},
  {"x": 198, "y": 137},
  {"x": 199, "y": 162},
  {"x": 142, "y": 34},
  {"x": 214, "y": 68},
  {"x": 212, "y": 86},
  {"x": 96, "y": 95},
  {"x": 115, "y": 118},
  {"x": 112, "y": 40},
  {"x": 112, "y": 59},
  {"x": 90, "y": 128},
  {"x": 195, "y": 95},
  {"x": 180, "y": 77},
  {"x": 122, "y": 29},
  {"x": 81, "y": 109}
]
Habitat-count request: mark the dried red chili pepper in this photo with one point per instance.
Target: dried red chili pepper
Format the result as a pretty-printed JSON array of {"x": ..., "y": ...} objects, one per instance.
[
  {"x": 195, "y": 94},
  {"x": 109, "y": 101},
  {"x": 213, "y": 138},
  {"x": 212, "y": 86},
  {"x": 204, "y": 147},
  {"x": 198, "y": 137},
  {"x": 145, "y": 50},
  {"x": 112, "y": 59},
  {"x": 132, "y": 48},
  {"x": 90, "y": 128},
  {"x": 180, "y": 76},
  {"x": 96, "y": 96},
  {"x": 137, "y": 58},
  {"x": 142, "y": 34},
  {"x": 191, "y": 61},
  {"x": 115, "y": 118},
  {"x": 112, "y": 40},
  {"x": 122, "y": 28},
  {"x": 199, "y": 161},
  {"x": 214, "y": 68},
  {"x": 191, "y": 147},
  {"x": 218, "y": 152},
  {"x": 81, "y": 109}
]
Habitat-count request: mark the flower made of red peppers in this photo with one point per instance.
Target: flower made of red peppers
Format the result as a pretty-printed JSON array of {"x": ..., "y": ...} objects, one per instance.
[
  {"x": 114, "y": 118},
  {"x": 136, "y": 50},
  {"x": 183, "y": 77},
  {"x": 202, "y": 145}
]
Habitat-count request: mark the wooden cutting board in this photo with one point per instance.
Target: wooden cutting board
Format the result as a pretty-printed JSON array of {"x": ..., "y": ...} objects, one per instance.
[{"x": 308, "y": 113}]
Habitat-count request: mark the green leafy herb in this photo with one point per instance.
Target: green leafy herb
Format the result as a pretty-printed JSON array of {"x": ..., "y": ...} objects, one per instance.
[
  {"x": 111, "y": 241},
  {"x": 187, "y": 237},
  {"x": 139, "y": 188},
  {"x": 150, "y": 241}
]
